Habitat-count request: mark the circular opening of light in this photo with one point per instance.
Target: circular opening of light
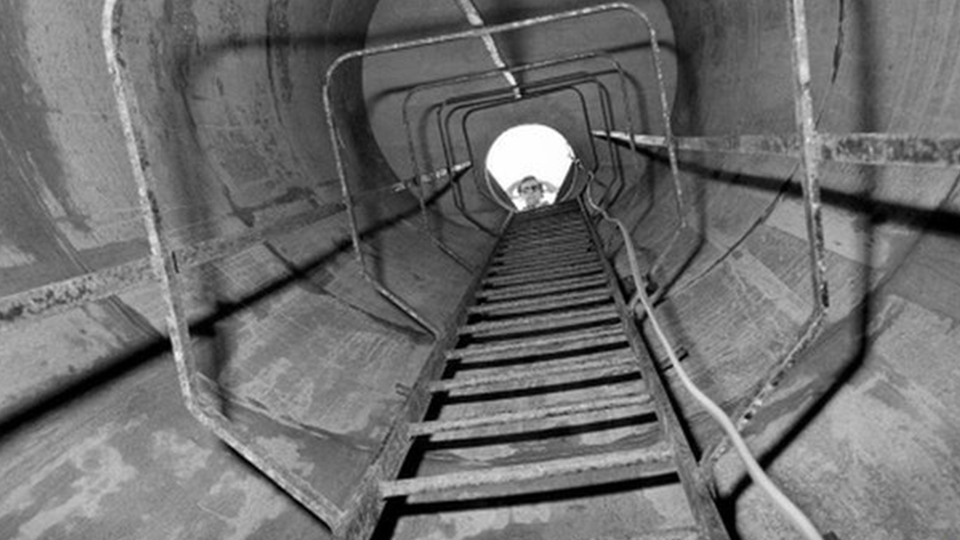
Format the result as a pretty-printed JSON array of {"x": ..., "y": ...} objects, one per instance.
[{"x": 530, "y": 162}]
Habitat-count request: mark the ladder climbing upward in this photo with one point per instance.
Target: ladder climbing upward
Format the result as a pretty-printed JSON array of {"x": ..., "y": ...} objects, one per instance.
[{"x": 549, "y": 354}]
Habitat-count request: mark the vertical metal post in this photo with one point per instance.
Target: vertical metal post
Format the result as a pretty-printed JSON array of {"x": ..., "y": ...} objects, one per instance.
[
  {"x": 810, "y": 157},
  {"x": 400, "y": 303},
  {"x": 810, "y": 150}
]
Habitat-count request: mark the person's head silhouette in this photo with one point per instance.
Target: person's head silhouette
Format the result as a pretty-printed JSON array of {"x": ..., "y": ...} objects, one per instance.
[{"x": 531, "y": 190}]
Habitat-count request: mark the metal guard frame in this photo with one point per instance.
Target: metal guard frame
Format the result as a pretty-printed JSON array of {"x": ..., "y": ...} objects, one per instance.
[
  {"x": 491, "y": 73},
  {"x": 199, "y": 398},
  {"x": 329, "y": 81},
  {"x": 443, "y": 124},
  {"x": 565, "y": 84}
]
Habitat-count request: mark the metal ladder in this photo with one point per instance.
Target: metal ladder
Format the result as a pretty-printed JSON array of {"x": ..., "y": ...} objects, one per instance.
[{"x": 549, "y": 324}]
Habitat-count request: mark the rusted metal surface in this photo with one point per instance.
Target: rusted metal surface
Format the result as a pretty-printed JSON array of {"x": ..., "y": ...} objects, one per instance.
[
  {"x": 552, "y": 301},
  {"x": 536, "y": 250},
  {"x": 330, "y": 79},
  {"x": 564, "y": 260},
  {"x": 54, "y": 298},
  {"x": 543, "y": 413},
  {"x": 364, "y": 508},
  {"x": 516, "y": 261},
  {"x": 546, "y": 244},
  {"x": 539, "y": 322},
  {"x": 542, "y": 366},
  {"x": 544, "y": 231},
  {"x": 695, "y": 485},
  {"x": 203, "y": 252},
  {"x": 417, "y": 181},
  {"x": 595, "y": 365},
  {"x": 536, "y": 234},
  {"x": 654, "y": 460},
  {"x": 811, "y": 158},
  {"x": 761, "y": 391},
  {"x": 581, "y": 339},
  {"x": 525, "y": 249},
  {"x": 735, "y": 144},
  {"x": 533, "y": 66},
  {"x": 657, "y": 66},
  {"x": 887, "y": 149},
  {"x": 530, "y": 276},
  {"x": 49, "y": 300},
  {"x": 532, "y": 245},
  {"x": 199, "y": 400},
  {"x": 557, "y": 256},
  {"x": 891, "y": 149},
  {"x": 568, "y": 285},
  {"x": 680, "y": 533},
  {"x": 569, "y": 82}
]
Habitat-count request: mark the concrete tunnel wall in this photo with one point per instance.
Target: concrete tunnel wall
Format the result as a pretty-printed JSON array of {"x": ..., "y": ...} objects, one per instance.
[{"x": 95, "y": 440}]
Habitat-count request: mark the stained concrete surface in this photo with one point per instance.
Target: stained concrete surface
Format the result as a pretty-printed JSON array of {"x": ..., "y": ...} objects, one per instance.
[{"x": 94, "y": 440}]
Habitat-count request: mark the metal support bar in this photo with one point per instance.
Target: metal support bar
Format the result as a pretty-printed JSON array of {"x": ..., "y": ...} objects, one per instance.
[
  {"x": 59, "y": 297},
  {"x": 565, "y": 411},
  {"x": 884, "y": 149},
  {"x": 446, "y": 38},
  {"x": 810, "y": 157},
  {"x": 476, "y": 20},
  {"x": 543, "y": 88},
  {"x": 533, "y": 66},
  {"x": 655, "y": 460}
]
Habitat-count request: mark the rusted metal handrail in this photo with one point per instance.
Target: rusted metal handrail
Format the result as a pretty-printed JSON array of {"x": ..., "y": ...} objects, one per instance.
[
  {"x": 756, "y": 473},
  {"x": 199, "y": 400},
  {"x": 811, "y": 159}
]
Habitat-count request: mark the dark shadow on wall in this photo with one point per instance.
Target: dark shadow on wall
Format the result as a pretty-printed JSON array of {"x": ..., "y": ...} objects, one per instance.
[
  {"x": 113, "y": 369},
  {"x": 874, "y": 213},
  {"x": 863, "y": 202}
]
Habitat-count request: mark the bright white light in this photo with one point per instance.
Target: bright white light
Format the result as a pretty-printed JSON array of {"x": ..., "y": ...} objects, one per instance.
[{"x": 530, "y": 150}]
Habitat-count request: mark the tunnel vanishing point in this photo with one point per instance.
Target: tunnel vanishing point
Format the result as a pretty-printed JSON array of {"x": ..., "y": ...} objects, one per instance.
[{"x": 249, "y": 251}]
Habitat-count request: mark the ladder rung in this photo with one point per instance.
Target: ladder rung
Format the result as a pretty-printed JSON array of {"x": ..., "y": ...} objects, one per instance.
[
  {"x": 581, "y": 339},
  {"x": 677, "y": 533},
  {"x": 542, "y": 303},
  {"x": 538, "y": 275},
  {"x": 541, "y": 322},
  {"x": 544, "y": 264},
  {"x": 655, "y": 460},
  {"x": 608, "y": 366},
  {"x": 556, "y": 257},
  {"x": 540, "y": 413},
  {"x": 545, "y": 213},
  {"x": 545, "y": 252},
  {"x": 541, "y": 244},
  {"x": 545, "y": 233},
  {"x": 560, "y": 285}
]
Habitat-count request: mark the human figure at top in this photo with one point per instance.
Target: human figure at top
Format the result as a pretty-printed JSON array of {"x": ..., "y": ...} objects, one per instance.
[{"x": 531, "y": 191}]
